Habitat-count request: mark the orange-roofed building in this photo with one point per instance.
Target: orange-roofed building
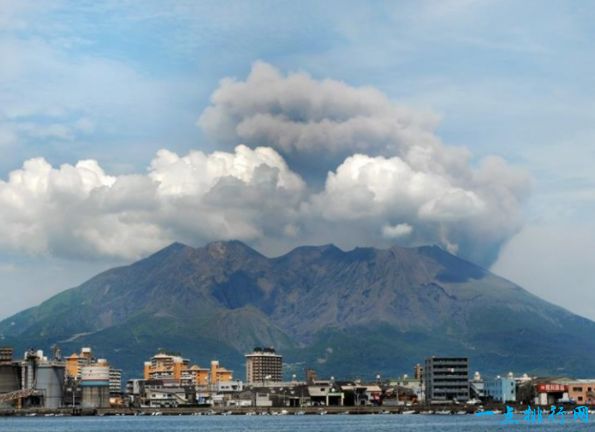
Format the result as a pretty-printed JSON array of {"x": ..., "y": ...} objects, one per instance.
[
  {"x": 219, "y": 373},
  {"x": 72, "y": 366},
  {"x": 75, "y": 362},
  {"x": 201, "y": 375},
  {"x": 166, "y": 366}
]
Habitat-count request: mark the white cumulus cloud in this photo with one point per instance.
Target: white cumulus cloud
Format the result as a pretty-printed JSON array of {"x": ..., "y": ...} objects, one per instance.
[{"x": 79, "y": 210}]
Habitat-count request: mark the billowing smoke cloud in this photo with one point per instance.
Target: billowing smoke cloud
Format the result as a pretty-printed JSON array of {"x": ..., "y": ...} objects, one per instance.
[
  {"x": 382, "y": 175},
  {"x": 309, "y": 120},
  {"x": 389, "y": 174}
]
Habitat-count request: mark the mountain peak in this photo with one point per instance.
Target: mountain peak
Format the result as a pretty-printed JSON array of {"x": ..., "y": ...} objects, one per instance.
[
  {"x": 176, "y": 246},
  {"x": 455, "y": 269},
  {"x": 230, "y": 248},
  {"x": 173, "y": 249}
]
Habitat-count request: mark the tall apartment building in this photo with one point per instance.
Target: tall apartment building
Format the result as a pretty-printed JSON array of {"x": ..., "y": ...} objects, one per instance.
[
  {"x": 264, "y": 364},
  {"x": 446, "y": 379},
  {"x": 163, "y": 366},
  {"x": 115, "y": 380},
  {"x": 173, "y": 368}
]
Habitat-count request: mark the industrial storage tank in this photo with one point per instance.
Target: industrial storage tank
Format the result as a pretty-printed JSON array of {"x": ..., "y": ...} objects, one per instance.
[
  {"x": 95, "y": 386},
  {"x": 10, "y": 381},
  {"x": 50, "y": 381}
]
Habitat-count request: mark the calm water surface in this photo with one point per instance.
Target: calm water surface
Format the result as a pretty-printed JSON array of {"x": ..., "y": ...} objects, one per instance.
[{"x": 338, "y": 423}]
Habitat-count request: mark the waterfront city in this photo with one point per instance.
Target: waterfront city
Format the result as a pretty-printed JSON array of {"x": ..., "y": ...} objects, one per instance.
[{"x": 81, "y": 384}]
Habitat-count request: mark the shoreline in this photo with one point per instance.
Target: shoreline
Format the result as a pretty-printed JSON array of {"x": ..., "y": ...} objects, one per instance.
[{"x": 197, "y": 411}]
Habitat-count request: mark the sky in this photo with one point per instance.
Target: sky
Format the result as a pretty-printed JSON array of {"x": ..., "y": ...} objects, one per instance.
[{"x": 127, "y": 125}]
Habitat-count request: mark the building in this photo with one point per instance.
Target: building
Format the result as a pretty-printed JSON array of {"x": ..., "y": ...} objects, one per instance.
[
  {"x": 230, "y": 386},
  {"x": 311, "y": 376},
  {"x": 83, "y": 373},
  {"x": 326, "y": 393},
  {"x": 200, "y": 375},
  {"x": 477, "y": 387},
  {"x": 75, "y": 362},
  {"x": 418, "y": 373},
  {"x": 6, "y": 354},
  {"x": 550, "y": 392},
  {"x": 161, "y": 395},
  {"x": 164, "y": 366},
  {"x": 501, "y": 389},
  {"x": 582, "y": 392},
  {"x": 171, "y": 368},
  {"x": 115, "y": 381},
  {"x": 264, "y": 364},
  {"x": 405, "y": 389},
  {"x": 219, "y": 373},
  {"x": 446, "y": 379},
  {"x": 135, "y": 390}
]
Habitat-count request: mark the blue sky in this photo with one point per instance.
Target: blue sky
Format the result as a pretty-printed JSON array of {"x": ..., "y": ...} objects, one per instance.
[{"x": 118, "y": 81}]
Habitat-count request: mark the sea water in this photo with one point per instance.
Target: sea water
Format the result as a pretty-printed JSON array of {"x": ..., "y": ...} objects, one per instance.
[{"x": 309, "y": 423}]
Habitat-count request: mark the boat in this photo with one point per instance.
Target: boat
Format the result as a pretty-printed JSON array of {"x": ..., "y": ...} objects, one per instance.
[
  {"x": 299, "y": 413},
  {"x": 322, "y": 413},
  {"x": 443, "y": 412},
  {"x": 408, "y": 412}
]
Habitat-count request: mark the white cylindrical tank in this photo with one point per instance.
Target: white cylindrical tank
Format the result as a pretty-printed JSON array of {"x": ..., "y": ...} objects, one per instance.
[
  {"x": 95, "y": 386},
  {"x": 95, "y": 374}
]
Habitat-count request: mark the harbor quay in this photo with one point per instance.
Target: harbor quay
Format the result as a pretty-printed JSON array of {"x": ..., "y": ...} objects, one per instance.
[{"x": 417, "y": 409}]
